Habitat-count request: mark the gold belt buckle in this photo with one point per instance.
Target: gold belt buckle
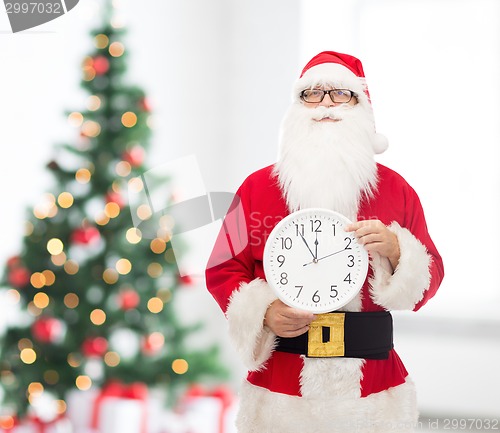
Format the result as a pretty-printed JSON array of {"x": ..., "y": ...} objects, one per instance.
[{"x": 316, "y": 347}]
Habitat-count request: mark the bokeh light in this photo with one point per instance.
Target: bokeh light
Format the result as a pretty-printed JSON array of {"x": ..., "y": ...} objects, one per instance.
[
  {"x": 98, "y": 317},
  {"x": 155, "y": 305},
  {"x": 83, "y": 383},
  {"x": 180, "y": 366},
  {"x": 28, "y": 356},
  {"x": 116, "y": 49}
]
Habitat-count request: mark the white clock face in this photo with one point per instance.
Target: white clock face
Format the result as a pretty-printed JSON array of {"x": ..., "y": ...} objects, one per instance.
[{"x": 313, "y": 263}]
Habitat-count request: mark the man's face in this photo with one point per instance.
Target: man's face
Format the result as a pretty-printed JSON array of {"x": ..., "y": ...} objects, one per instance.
[
  {"x": 326, "y": 140},
  {"x": 328, "y": 97}
]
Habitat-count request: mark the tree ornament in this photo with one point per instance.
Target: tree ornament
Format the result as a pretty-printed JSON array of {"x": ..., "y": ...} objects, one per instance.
[
  {"x": 13, "y": 261},
  {"x": 115, "y": 197},
  {"x": 94, "y": 368},
  {"x": 128, "y": 299},
  {"x": 100, "y": 65},
  {"x": 125, "y": 342},
  {"x": 152, "y": 344},
  {"x": 48, "y": 330},
  {"x": 134, "y": 156},
  {"x": 145, "y": 105},
  {"x": 94, "y": 347},
  {"x": 85, "y": 236},
  {"x": 19, "y": 277}
]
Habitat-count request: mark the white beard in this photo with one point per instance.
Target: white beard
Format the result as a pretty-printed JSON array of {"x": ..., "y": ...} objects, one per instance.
[{"x": 327, "y": 164}]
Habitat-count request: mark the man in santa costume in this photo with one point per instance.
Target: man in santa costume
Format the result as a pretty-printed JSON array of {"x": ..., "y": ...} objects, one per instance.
[{"x": 327, "y": 147}]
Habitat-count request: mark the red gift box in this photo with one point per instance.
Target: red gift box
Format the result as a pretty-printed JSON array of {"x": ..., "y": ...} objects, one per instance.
[
  {"x": 194, "y": 398},
  {"x": 115, "y": 391}
]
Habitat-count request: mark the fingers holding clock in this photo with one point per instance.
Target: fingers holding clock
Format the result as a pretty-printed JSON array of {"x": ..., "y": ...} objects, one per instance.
[
  {"x": 376, "y": 237},
  {"x": 287, "y": 321}
]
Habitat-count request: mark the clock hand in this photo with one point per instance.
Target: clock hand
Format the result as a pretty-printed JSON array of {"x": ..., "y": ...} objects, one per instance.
[
  {"x": 332, "y": 254},
  {"x": 316, "y": 244},
  {"x": 304, "y": 239},
  {"x": 324, "y": 257}
]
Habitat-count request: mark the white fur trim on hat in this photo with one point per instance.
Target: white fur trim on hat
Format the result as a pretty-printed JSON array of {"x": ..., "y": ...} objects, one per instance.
[
  {"x": 334, "y": 75},
  {"x": 340, "y": 77},
  {"x": 404, "y": 288},
  {"x": 245, "y": 313}
]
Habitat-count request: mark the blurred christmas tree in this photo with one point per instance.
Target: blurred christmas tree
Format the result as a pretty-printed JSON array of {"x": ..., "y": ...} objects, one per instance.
[{"x": 96, "y": 296}]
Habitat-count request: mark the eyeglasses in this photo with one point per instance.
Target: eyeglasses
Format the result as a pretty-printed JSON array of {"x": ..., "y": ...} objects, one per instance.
[{"x": 315, "y": 96}]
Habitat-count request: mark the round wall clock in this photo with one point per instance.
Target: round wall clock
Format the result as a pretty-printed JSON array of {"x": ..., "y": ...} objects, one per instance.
[{"x": 312, "y": 263}]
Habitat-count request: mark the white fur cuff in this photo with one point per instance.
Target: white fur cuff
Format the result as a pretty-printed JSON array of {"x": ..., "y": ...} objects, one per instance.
[
  {"x": 245, "y": 313},
  {"x": 404, "y": 288}
]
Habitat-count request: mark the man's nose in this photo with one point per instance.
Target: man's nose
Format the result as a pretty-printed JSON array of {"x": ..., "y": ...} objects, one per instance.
[{"x": 327, "y": 101}]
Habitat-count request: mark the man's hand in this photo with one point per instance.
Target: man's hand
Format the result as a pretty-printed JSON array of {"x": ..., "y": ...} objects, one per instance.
[
  {"x": 287, "y": 321},
  {"x": 376, "y": 237}
]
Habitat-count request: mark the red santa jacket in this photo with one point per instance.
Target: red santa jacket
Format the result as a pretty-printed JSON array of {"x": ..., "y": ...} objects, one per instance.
[{"x": 236, "y": 261}]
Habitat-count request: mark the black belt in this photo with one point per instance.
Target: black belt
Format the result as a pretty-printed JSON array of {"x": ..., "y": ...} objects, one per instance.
[{"x": 344, "y": 334}]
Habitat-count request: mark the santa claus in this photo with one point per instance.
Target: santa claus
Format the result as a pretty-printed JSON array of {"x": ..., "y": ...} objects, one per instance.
[{"x": 327, "y": 146}]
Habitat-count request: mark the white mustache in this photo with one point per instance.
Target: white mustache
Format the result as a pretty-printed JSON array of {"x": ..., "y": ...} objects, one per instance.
[{"x": 334, "y": 113}]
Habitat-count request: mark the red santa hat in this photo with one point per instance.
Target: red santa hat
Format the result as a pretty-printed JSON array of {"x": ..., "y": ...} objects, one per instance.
[{"x": 341, "y": 71}]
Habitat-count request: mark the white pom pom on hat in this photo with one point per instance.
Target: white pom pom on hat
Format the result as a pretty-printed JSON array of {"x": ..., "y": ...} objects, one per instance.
[
  {"x": 380, "y": 143},
  {"x": 340, "y": 70}
]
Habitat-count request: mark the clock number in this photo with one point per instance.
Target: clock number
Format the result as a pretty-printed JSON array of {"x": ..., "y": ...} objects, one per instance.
[
  {"x": 299, "y": 232},
  {"x": 351, "y": 260},
  {"x": 334, "y": 228},
  {"x": 334, "y": 292},
  {"x": 286, "y": 243},
  {"x": 284, "y": 278},
  {"x": 348, "y": 246},
  {"x": 300, "y": 290},
  {"x": 347, "y": 279},
  {"x": 315, "y": 298},
  {"x": 316, "y": 226},
  {"x": 281, "y": 260}
]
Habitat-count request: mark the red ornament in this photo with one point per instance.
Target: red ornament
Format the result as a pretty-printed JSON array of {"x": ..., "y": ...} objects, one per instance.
[
  {"x": 47, "y": 330},
  {"x": 134, "y": 156},
  {"x": 100, "y": 65},
  {"x": 85, "y": 235},
  {"x": 14, "y": 261},
  {"x": 145, "y": 105},
  {"x": 94, "y": 347},
  {"x": 128, "y": 299},
  {"x": 19, "y": 277},
  {"x": 114, "y": 197},
  {"x": 152, "y": 344}
]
